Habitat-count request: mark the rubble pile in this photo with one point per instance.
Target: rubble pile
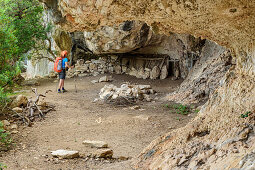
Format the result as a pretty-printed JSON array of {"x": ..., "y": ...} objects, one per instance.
[{"x": 136, "y": 92}]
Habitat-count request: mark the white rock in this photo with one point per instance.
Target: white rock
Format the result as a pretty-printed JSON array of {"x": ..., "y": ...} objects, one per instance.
[
  {"x": 104, "y": 79},
  {"x": 144, "y": 87},
  {"x": 154, "y": 74},
  {"x": 65, "y": 154},
  {"x": 95, "y": 144},
  {"x": 146, "y": 75},
  {"x": 94, "y": 81},
  {"x": 83, "y": 75},
  {"x": 164, "y": 72},
  {"x": 135, "y": 107}
]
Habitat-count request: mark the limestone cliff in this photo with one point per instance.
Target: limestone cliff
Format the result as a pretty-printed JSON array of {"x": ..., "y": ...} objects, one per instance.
[{"x": 218, "y": 138}]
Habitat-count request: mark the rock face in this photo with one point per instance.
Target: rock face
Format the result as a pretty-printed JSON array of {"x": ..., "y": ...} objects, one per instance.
[
  {"x": 218, "y": 136},
  {"x": 206, "y": 75}
]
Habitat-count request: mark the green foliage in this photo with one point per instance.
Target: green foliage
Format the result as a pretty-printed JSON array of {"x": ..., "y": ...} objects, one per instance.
[
  {"x": 182, "y": 109},
  {"x": 246, "y": 114},
  {"x": 21, "y": 28},
  {"x": 2, "y": 166},
  {"x": 5, "y": 139}
]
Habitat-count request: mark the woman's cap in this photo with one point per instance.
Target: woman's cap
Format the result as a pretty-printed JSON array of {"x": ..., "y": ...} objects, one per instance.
[{"x": 63, "y": 54}]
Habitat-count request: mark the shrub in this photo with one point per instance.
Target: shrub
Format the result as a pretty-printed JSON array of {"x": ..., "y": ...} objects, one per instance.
[
  {"x": 5, "y": 138},
  {"x": 182, "y": 109}
]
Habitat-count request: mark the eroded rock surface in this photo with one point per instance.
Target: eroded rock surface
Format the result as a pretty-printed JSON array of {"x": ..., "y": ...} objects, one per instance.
[{"x": 218, "y": 136}]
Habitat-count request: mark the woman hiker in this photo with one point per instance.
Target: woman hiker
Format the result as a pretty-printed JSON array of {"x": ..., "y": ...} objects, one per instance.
[{"x": 62, "y": 74}]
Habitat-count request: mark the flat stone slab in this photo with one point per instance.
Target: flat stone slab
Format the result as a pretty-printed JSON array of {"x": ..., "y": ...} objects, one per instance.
[
  {"x": 65, "y": 154},
  {"x": 103, "y": 153},
  {"x": 95, "y": 144}
]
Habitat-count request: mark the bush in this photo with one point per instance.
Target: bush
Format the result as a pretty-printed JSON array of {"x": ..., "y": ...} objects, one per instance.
[
  {"x": 2, "y": 166},
  {"x": 182, "y": 109},
  {"x": 5, "y": 138}
]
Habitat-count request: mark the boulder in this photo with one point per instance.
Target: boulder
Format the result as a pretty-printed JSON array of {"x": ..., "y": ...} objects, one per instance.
[
  {"x": 95, "y": 144},
  {"x": 65, "y": 154},
  {"x": 6, "y": 122},
  {"x": 103, "y": 153},
  {"x": 20, "y": 100},
  {"x": 164, "y": 72},
  {"x": 146, "y": 75},
  {"x": 154, "y": 74}
]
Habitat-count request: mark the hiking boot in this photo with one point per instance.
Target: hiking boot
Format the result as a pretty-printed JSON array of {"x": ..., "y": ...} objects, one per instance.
[
  {"x": 59, "y": 91},
  {"x": 64, "y": 90}
]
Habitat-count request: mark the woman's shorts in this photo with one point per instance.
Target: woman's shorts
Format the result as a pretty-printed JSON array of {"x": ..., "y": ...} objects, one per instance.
[{"x": 62, "y": 74}]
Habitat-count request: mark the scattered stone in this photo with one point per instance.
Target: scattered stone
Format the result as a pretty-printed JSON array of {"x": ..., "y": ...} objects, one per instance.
[
  {"x": 14, "y": 126},
  {"x": 82, "y": 75},
  {"x": 6, "y": 122},
  {"x": 135, "y": 107},
  {"x": 103, "y": 153},
  {"x": 105, "y": 79},
  {"x": 142, "y": 117},
  {"x": 147, "y": 97},
  {"x": 14, "y": 132},
  {"x": 95, "y": 144},
  {"x": 142, "y": 87},
  {"x": 17, "y": 109},
  {"x": 65, "y": 154},
  {"x": 94, "y": 81}
]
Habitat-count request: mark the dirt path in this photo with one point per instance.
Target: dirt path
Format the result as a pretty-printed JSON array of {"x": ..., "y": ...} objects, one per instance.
[{"x": 77, "y": 118}]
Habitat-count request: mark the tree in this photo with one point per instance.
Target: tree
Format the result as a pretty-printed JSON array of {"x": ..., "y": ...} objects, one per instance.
[{"x": 21, "y": 30}]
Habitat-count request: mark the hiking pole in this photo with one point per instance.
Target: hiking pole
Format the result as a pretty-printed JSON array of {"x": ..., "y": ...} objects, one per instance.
[{"x": 75, "y": 84}]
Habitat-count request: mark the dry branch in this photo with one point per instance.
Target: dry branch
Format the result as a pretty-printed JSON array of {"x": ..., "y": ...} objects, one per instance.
[{"x": 32, "y": 110}]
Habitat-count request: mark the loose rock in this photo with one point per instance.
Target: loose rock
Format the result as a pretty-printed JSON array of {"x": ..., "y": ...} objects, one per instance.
[
  {"x": 95, "y": 144},
  {"x": 17, "y": 109},
  {"x": 65, "y": 154},
  {"x": 103, "y": 153}
]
